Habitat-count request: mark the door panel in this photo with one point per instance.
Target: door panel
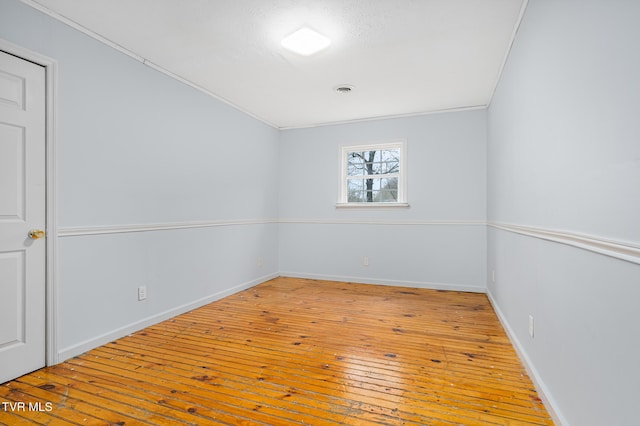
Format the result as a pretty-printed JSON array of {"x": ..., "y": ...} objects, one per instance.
[
  {"x": 22, "y": 208},
  {"x": 12, "y": 266},
  {"x": 12, "y": 90},
  {"x": 12, "y": 176}
]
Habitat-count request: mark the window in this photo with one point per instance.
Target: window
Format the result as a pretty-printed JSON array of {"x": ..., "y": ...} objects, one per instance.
[{"x": 373, "y": 175}]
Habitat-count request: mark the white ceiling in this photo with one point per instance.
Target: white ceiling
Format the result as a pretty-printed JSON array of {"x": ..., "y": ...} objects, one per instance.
[{"x": 403, "y": 56}]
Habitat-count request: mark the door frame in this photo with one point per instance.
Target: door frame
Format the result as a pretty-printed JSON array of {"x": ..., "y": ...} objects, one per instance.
[{"x": 51, "y": 273}]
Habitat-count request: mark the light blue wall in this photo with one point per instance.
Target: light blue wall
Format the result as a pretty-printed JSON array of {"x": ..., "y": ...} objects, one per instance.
[
  {"x": 564, "y": 155},
  {"x": 412, "y": 246},
  {"x": 562, "y": 152},
  {"x": 136, "y": 147}
]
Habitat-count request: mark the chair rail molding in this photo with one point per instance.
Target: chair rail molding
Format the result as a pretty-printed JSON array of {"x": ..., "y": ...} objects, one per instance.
[
  {"x": 76, "y": 231},
  {"x": 618, "y": 249}
]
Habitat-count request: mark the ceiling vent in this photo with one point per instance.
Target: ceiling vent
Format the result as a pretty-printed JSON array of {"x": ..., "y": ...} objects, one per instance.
[{"x": 344, "y": 88}]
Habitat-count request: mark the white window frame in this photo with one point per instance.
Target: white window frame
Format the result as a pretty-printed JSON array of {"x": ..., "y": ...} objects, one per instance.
[{"x": 399, "y": 144}]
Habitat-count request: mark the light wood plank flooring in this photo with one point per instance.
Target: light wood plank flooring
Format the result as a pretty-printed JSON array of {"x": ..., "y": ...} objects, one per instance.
[{"x": 296, "y": 351}]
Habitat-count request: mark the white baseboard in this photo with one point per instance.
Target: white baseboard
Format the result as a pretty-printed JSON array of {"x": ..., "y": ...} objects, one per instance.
[
  {"x": 105, "y": 338},
  {"x": 539, "y": 384},
  {"x": 543, "y": 392},
  {"x": 396, "y": 283}
]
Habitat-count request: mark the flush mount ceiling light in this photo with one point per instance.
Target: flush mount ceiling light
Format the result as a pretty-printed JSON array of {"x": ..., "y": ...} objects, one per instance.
[{"x": 305, "y": 42}]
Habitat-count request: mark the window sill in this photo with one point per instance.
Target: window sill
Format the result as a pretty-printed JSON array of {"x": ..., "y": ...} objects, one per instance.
[{"x": 371, "y": 205}]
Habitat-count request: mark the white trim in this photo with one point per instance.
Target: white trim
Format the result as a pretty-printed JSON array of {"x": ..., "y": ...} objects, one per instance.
[
  {"x": 543, "y": 391},
  {"x": 139, "y": 58},
  {"x": 394, "y": 283},
  {"x": 384, "y": 222},
  {"x": 123, "y": 229},
  {"x": 397, "y": 143},
  {"x": 516, "y": 27},
  {"x": 41, "y": 8},
  {"x": 105, "y": 338},
  {"x": 51, "y": 272},
  {"x": 366, "y": 206},
  {"x": 620, "y": 250},
  {"x": 386, "y": 117}
]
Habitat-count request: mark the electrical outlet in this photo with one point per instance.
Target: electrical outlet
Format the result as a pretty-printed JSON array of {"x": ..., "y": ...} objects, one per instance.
[
  {"x": 142, "y": 292},
  {"x": 493, "y": 275},
  {"x": 365, "y": 261},
  {"x": 531, "y": 326}
]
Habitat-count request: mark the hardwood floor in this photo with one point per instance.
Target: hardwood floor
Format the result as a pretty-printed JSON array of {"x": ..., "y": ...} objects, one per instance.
[{"x": 295, "y": 351}]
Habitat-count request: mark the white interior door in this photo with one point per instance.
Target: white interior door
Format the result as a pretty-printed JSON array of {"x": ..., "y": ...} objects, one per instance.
[{"x": 22, "y": 210}]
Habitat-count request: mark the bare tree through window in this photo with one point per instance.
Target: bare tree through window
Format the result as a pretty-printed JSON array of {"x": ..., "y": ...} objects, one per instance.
[{"x": 372, "y": 175}]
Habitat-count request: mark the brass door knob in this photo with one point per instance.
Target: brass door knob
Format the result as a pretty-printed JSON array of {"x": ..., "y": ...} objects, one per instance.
[{"x": 36, "y": 234}]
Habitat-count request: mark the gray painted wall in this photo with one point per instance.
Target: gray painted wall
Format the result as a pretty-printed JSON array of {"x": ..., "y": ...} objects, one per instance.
[
  {"x": 564, "y": 154},
  {"x": 136, "y": 147},
  {"x": 405, "y": 246}
]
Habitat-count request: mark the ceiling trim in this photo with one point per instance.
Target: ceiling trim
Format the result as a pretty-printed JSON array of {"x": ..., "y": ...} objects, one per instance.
[
  {"x": 516, "y": 27},
  {"x": 386, "y": 117},
  {"x": 34, "y": 4}
]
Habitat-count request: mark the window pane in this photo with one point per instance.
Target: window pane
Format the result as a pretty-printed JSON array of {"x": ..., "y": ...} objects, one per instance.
[
  {"x": 355, "y": 164},
  {"x": 390, "y": 161},
  {"x": 356, "y": 192},
  {"x": 390, "y": 184},
  {"x": 356, "y": 184},
  {"x": 380, "y": 162},
  {"x": 385, "y": 196},
  {"x": 376, "y": 190},
  {"x": 387, "y": 191},
  {"x": 390, "y": 154}
]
